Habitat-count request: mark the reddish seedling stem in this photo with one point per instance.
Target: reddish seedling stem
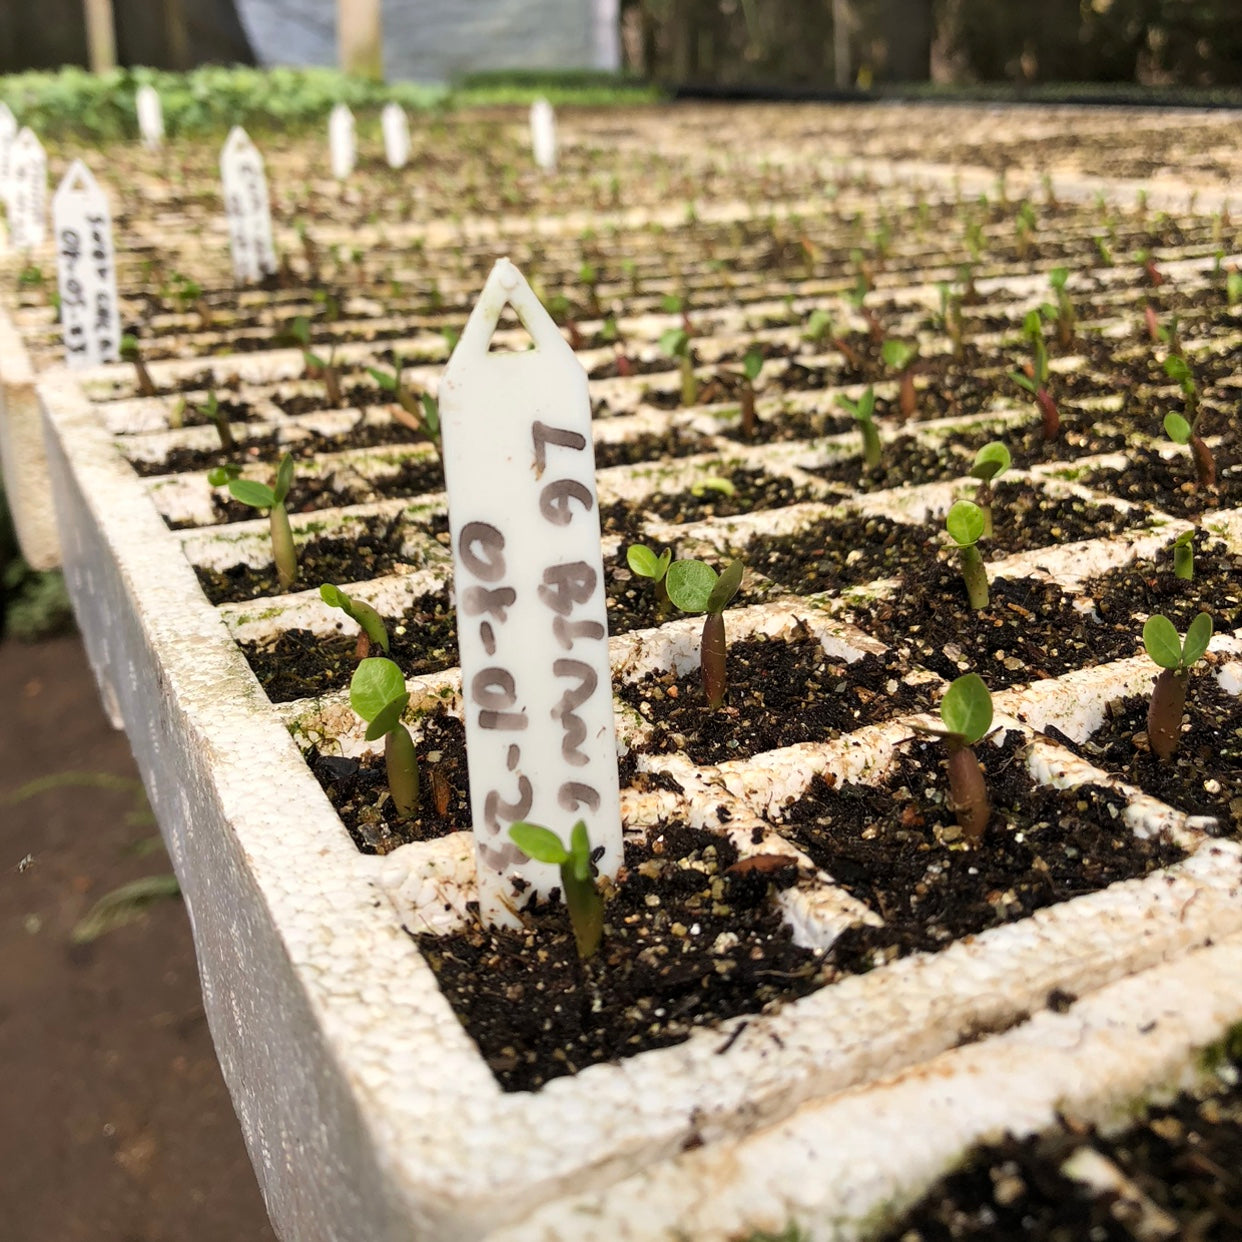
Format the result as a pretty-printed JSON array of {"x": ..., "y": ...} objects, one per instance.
[
  {"x": 1164, "y": 713},
  {"x": 748, "y": 410},
  {"x": 968, "y": 793},
  {"x": 848, "y": 352},
  {"x": 1205, "y": 463},
  {"x": 1153, "y": 324},
  {"x": 1049, "y": 414},
  {"x": 906, "y": 401},
  {"x": 712, "y": 659}
]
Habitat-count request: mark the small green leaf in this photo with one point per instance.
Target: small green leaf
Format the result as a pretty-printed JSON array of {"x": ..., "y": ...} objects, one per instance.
[
  {"x": 333, "y": 596},
  {"x": 431, "y": 413},
  {"x": 673, "y": 342},
  {"x": 1185, "y": 539},
  {"x": 990, "y": 461},
  {"x": 713, "y": 483},
  {"x": 726, "y": 587},
  {"x": 376, "y": 683},
  {"x": 817, "y": 325},
  {"x": 284, "y": 479},
  {"x": 897, "y": 355},
  {"x": 580, "y": 850},
  {"x": 1032, "y": 325},
  {"x": 644, "y": 562},
  {"x": 1023, "y": 382},
  {"x": 670, "y": 304},
  {"x": 219, "y": 476},
  {"x": 1197, "y": 638},
  {"x": 1176, "y": 369},
  {"x": 966, "y": 708},
  {"x": 866, "y": 405},
  {"x": 388, "y": 717},
  {"x": 690, "y": 584},
  {"x": 541, "y": 844},
  {"x": 248, "y": 492},
  {"x": 1058, "y": 277},
  {"x": 752, "y": 364},
  {"x": 1176, "y": 428},
  {"x": 1162, "y": 643},
  {"x": 385, "y": 379},
  {"x": 965, "y": 523}
]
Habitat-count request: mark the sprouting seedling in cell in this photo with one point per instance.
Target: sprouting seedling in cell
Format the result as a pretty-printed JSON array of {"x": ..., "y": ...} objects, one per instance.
[
  {"x": 951, "y": 318},
  {"x": 372, "y": 631},
  {"x": 132, "y": 353},
  {"x": 1035, "y": 381},
  {"x": 1025, "y": 225},
  {"x": 1155, "y": 277},
  {"x": 991, "y": 461},
  {"x": 1180, "y": 431},
  {"x": 694, "y": 587},
  {"x": 964, "y": 522},
  {"x": 863, "y": 413},
  {"x": 966, "y": 711},
  {"x": 644, "y": 563},
  {"x": 818, "y": 330},
  {"x": 218, "y": 417},
  {"x": 675, "y": 343},
  {"x": 377, "y": 693},
  {"x": 1176, "y": 657},
  {"x": 419, "y": 412},
  {"x": 752, "y": 364},
  {"x": 901, "y": 356},
  {"x": 857, "y": 299},
  {"x": 1063, "y": 310},
  {"x": 260, "y": 496},
  {"x": 1233, "y": 287},
  {"x": 317, "y": 367},
  {"x": 582, "y": 896},
  {"x": 1184, "y": 556}
]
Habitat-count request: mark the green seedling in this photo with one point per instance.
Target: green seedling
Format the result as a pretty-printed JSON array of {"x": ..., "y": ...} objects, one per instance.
[
  {"x": 900, "y": 356},
  {"x": 1176, "y": 657},
  {"x": 131, "y": 353},
  {"x": 260, "y": 496},
  {"x": 1184, "y": 556},
  {"x": 818, "y": 328},
  {"x": 694, "y": 587},
  {"x": 676, "y": 344},
  {"x": 1233, "y": 286},
  {"x": 419, "y": 412},
  {"x": 1035, "y": 381},
  {"x": 965, "y": 525},
  {"x": 991, "y": 461},
  {"x": 582, "y": 897},
  {"x": 1025, "y": 224},
  {"x": 966, "y": 711},
  {"x": 712, "y": 484},
  {"x": 644, "y": 563},
  {"x": 373, "y": 632},
  {"x": 219, "y": 419},
  {"x": 1182, "y": 432},
  {"x": 752, "y": 364},
  {"x": 951, "y": 319},
  {"x": 863, "y": 411},
  {"x": 317, "y": 367},
  {"x": 377, "y": 693},
  {"x": 1063, "y": 312}
]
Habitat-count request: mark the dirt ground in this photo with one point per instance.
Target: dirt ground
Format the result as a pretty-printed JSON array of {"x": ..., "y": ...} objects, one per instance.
[{"x": 115, "y": 1125}]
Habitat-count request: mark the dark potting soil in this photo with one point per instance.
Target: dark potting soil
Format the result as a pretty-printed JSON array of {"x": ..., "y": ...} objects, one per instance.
[
  {"x": 720, "y": 495},
  {"x": 1184, "y": 1157},
  {"x": 771, "y": 428},
  {"x": 897, "y": 848},
  {"x": 907, "y": 462},
  {"x": 301, "y": 664},
  {"x": 1029, "y": 630},
  {"x": 1025, "y": 517},
  {"x": 1204, "y": 777},
  {"x": 358, "y": 789},
  {"x": 690, "y": 938},
  {"x": 780, "y": 693},
  {"x": 1169, "y": 485},
  {"x": 649, "y": 446},
  {"x": 370, "y": 548}
]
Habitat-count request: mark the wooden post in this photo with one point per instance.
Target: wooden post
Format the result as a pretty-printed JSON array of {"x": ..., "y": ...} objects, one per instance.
[
  {"x": 100, "y": 35},
  {"x": 841, "y": 43},
  {"x": 359, "y": 35}
]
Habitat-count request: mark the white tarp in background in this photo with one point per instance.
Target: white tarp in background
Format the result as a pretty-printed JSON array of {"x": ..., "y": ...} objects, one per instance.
[{"x": 435, "y": 40}]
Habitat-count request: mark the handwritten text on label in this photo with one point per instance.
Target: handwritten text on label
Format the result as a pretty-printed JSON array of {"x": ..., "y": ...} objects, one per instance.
[
  {"x": 27, "y": 192},
  {"x": 86, "y": 267},
  {"x": 249, "y": 210}
]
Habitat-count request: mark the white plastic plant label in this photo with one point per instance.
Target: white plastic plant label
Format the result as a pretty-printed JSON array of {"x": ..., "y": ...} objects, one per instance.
[
  {"x": 341, "y": 141},
  {"x": 396, "y": 127},
  {"x": 8, "y": 132},
  {"x": 519, "y": 463},
  {"x": 150, "y": 117},
  {"x": 89, "y": 314},
  {"x": 248, "y": 207},
  {"x": 27, "y": 192},
  {"x": 543, "y": 134}
]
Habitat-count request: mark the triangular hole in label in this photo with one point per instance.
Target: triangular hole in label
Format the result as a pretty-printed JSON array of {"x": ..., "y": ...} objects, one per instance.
[{"x": 510, "y": 335}]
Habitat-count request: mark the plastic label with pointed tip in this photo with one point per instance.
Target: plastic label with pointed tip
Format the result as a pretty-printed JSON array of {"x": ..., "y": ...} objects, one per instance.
[
  {"x": 341, "y": 141},
  {"x": 396, "y": 127},
  {"x": 249, "y": 209},
  {"x": 27, "y": 192},
  {"x": 86, "y": 266},
  {"x": 8, "y": 133},
  {"x": 519, "y": 464},
  {"x": 543, "y": 134},
  {"x": 150, "y": 117}
]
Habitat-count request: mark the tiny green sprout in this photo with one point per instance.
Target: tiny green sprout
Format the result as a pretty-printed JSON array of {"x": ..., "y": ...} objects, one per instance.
[
  {"x": 1184, "y": 555},
  {"x": 582, "y": 898},
  {"x": 863, "y": 411},
  {"x": 900, "y": 356},
  {"x": 966, "y": 711},
  {"x": 373, "y": 632},
  {"x": 675, "y": 343},
  {"x": 752, "y": 364},
  {"x": 1182, "y": 431},
  {"x": 645, "y": 564},
  {"x": 713, "y": 485},
  {"x": 1175, "y": 657},
  {"x": 219, "y": 419},
  {"x": 1233, "y": 286},
  {"x": 131, "y": 353},
  {"x": 377, "y": 693},
  {"x": 260, "y": 496},
  {"x": 694, "y": 587},
  {"x": 1066, "y": 319},
  {"x": 1036, "y": 380},
  {"x": 317, "y": 367},
  {"x": 419, "y": 412},
  {"x": 965, "y": 524},
  {"x": 818, "y": 327},
  {"x": 991, "y": 461}
]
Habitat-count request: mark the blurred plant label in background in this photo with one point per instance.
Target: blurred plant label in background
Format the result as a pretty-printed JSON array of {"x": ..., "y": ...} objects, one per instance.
[
  {"x": 86, "y": 265},
  {"x": 543, "y": 134},
  {"x": 519, "y": 465},
  {"x": 248, "y": 207},
  {"x": 8, "y": 132},
  {"x": 27, "y": 192},
  {"x": 396, "y": 127},
  {"x": 150, "y": 117},
  {"x": 341, "y": 142}
]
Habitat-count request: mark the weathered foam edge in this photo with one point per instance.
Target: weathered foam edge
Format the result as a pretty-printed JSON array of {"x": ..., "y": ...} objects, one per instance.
[{"x": 840, "y": 1168}]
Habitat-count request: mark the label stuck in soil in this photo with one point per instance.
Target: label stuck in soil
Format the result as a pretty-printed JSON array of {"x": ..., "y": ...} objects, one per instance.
[
  {"x": 8, "y": 132},
  {"x": 89, "y": 312},
  {"x": 341, "y": 141},
  {"x": 150, "y": 117},
  {"x": 543, "y": 134},
  {"x": 248, "y": 207},
  {"x": 27, "y": 192},
  {"x": 532, "y": 628},
  {"x": 396, "y": 127}
]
